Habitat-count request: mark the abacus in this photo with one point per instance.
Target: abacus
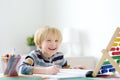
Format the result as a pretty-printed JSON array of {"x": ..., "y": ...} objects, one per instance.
[{"x": 110, "y": 60}]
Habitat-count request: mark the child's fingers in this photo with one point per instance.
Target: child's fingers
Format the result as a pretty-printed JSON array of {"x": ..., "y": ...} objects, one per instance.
[
  {"x": 57, "y": 66},
  {"x": 54, "y": 69}
]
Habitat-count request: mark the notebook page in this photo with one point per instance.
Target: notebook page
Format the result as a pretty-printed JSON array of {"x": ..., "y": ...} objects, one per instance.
[{"x": 66, "y": 73}]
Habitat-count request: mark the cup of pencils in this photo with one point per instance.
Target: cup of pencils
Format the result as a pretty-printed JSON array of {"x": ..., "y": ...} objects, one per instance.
[{"x": 10, "y": 64}]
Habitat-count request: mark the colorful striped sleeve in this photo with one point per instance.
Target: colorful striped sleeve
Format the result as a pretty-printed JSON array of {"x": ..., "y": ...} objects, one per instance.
[{"x": 28, "y": 63}]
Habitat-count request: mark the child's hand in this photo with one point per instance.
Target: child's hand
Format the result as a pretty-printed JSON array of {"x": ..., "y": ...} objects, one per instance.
[{"x": 53, "y": 69}]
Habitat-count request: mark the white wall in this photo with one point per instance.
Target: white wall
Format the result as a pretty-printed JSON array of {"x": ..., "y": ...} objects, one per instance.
[
  {"x": 18, "y": 19},
  {"x": 95, "y": 20}
]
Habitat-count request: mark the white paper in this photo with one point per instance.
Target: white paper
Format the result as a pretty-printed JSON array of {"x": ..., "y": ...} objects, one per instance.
[{"x": 66, "y": 73}]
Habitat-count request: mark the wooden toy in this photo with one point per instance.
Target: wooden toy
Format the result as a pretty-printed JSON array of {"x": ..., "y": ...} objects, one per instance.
[{"x": 110, "y": 60}]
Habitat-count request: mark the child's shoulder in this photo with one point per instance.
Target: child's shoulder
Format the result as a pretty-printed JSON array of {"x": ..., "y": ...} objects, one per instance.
[{"x": 35, "y": 52}]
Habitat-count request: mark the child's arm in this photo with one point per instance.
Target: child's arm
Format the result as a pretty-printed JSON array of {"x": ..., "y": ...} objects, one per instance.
[{"x": 46, "y": 70}]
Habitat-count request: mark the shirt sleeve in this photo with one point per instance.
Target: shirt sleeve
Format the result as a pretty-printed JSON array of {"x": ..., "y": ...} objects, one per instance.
[{"x": 27, "y": 64}]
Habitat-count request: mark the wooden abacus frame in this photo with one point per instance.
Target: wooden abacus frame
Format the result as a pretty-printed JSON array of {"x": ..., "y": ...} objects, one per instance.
[{"x": 107, "y": 56}]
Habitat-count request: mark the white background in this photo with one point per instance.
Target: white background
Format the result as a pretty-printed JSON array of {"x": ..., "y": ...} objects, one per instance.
[{"x": 91, "y": 23}]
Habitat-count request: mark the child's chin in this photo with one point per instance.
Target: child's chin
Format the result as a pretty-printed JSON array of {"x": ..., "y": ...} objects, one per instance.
[{"x": 52, "y": 52}]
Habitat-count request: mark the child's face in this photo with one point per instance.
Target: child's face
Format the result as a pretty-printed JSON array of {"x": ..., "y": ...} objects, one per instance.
[{"x": 50, "y": 45}]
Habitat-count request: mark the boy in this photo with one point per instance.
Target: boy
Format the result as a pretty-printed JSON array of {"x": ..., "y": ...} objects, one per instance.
[{"x": 46, "y": 59}]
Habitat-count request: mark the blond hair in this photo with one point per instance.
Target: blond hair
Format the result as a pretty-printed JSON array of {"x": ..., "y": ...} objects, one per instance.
[{"x": 43, "y": 32}]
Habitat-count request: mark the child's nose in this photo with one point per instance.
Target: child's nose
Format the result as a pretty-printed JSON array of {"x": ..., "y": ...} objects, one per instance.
[{"x": 53, "y": 43}]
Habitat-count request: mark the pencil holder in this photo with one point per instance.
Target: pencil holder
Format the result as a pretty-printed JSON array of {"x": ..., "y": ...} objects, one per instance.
[{"x": 10, "y": 63}]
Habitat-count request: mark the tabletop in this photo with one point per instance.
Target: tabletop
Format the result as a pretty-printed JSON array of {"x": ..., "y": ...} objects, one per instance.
[
  {"x": 31, "y": 77},
  {"x": 79, "y": 78}
]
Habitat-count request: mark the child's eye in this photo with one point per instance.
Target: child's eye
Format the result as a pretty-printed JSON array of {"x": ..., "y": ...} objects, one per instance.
[
  {"x": 48, "y": 40},
  {"x": 56, "y": 40}
]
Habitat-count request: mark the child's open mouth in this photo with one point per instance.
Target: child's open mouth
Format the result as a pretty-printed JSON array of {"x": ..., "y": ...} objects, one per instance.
[{"x": 52, "y": 48}]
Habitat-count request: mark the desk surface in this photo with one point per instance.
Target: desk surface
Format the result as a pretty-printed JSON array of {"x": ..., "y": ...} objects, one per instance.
[
  {"x": 19, "y": 78},
  {"x": 31, "y": 77}
]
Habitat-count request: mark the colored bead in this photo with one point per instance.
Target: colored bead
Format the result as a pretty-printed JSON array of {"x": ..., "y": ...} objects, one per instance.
[
  {"x": 106, "y": 66},
  {"x": 112, "y": 70},
  {"x": 104, "y": 71}
]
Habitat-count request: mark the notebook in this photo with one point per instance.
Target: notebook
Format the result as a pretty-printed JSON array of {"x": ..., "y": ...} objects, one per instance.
[{"x": 66, "y": 73}]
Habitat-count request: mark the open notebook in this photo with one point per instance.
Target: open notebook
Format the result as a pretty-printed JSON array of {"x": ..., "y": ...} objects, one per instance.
[{"x": 66, "y": 73}]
